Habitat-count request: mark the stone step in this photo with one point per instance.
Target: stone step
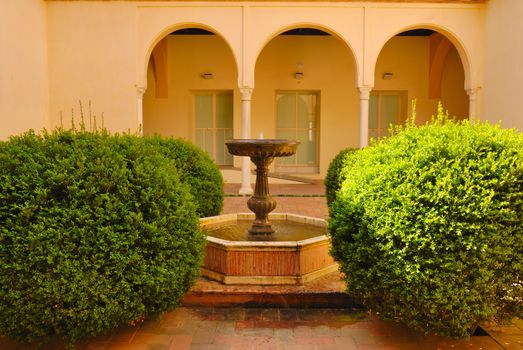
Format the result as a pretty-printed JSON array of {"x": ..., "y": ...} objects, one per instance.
[{"x": 324, "y": 292}]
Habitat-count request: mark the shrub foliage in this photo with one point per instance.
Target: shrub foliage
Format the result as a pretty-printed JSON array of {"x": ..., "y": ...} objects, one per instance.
[
  {"x": 428, "y": 225},
  {"x": 198, "y": 170},
  {"x": 97, "y": 230},
  {"x": 334, "y": 178}
]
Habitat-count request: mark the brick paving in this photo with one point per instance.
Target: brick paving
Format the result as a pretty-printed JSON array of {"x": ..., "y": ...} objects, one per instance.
[
  {"x": 261, "y": 328},
  {"x": 309, "y": 206},
  {"x": 236, "y": 328},
  {"x": 300, "y": 198}
]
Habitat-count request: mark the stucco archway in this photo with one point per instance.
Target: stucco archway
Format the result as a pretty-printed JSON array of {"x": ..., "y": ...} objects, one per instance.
[
  {"x": 311, "y": 65},
  {"x": 422, "y": 64},
  {"x": 192, "y": 79}
]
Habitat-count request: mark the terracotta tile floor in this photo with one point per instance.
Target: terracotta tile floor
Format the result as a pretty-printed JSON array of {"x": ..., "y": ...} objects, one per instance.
[
  {"x": 213, "y": 328},
  {"x": 303, "y": 199},
  {"x": 260, "y": 328}
]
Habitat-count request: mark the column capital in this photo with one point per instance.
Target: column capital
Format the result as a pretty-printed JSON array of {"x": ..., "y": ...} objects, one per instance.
[
  {"x": 473, "y": 93},
  {"x": 140, "y": 89},
  {"x": 365, "y": 92},
  {"x": 246, "y": 93}
]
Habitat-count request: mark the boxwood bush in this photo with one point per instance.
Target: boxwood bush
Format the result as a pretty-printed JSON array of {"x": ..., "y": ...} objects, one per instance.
[
  {"x": 198, "y": 170},
  {"x": 97, "y": 231},
  {"x": 333, "y": 179},
  {"x": 428, "y": 225}
]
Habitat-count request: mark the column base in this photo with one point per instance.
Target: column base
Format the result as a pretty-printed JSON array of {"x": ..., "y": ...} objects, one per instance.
[{"x": 246, "y": 190}]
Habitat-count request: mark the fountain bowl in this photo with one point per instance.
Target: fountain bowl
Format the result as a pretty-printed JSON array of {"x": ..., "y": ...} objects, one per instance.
[
  {"x": 266, "y": 262},
  {"x": 267, "y": 148}
]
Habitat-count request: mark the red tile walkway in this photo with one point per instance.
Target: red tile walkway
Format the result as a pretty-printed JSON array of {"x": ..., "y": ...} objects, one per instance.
[
  {"x": 303, "y": 199},
  {"x": 285, "y": 329}
]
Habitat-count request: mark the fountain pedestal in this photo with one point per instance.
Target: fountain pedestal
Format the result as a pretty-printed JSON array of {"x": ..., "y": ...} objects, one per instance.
[{"x": 261, "y": 203}]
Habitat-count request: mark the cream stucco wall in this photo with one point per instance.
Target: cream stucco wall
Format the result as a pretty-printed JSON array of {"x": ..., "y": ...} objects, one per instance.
[
  {"x": 501, "y": 91},
  {"x": 24, "y": 93},
  {"x": 99, "y": 51},
  {"x": 92, "y": 57},
  {"x": 60, "y": 52}
]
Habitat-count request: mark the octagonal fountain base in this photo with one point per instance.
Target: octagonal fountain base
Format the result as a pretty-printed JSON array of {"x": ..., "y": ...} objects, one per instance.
[{"x": 267, "y": 262}]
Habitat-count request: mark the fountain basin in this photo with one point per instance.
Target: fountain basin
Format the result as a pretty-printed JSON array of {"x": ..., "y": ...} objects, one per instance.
[
  {"x": 266, "y": 148},
  {"x": 266, "y": 262}
]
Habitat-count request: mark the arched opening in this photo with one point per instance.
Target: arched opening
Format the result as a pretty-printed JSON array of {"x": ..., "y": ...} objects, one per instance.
[
  {"x": 191, "y": 88},
  {"x": 306, "y": 90},
  {"x": 419, "y": 64}
]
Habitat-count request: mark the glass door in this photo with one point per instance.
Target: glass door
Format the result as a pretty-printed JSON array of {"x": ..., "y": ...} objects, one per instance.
[
  {"x": 214, "y": 124},
  {"x": 384, "y": 110},
  {"x": 297, "y": 118}
]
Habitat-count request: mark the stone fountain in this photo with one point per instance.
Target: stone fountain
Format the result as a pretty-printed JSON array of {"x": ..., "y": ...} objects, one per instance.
[
  {"x": 296, "y": 251},
  {"x": 262, "y": 152}
]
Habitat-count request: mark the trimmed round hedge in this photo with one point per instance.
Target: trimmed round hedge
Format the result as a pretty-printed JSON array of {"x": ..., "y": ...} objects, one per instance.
[
  {"x": 333, "y": 179},
  {"x": 97, "y": 231},
  {"x": 428, "y": 226},
  {"x": 198, "y": 170}
]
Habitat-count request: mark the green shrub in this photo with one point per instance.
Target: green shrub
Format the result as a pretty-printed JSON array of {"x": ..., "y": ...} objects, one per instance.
[
  {"x": 198, "y": 170},
  {"x": 333, "y": 178},
  {"x": 428, "y": 226},
  {"x": 97, "y": 231}
]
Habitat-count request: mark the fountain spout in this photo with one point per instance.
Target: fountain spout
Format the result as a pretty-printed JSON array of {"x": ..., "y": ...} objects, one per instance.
[{"x": 262, "y": 152}]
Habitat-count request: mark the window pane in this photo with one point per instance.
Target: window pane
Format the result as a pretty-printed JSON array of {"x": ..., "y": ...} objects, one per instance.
[
  {"x": 286, "y": 134},
  {"x": 200, "y": 139},
  {"x": 203, "y": 111},
  {"x": 289, "y": 135},
  {"x": 373, "y": 112},
  {"x": 224, "y": 111},
  {"x": 307, "y": 149},
  {"x": 285, "y": 111},
  {"x": 303, "y": 111},
  {"x": 208, "y": 142},
  {"x": 389, "y": 110},
  {"x": 228, "y": 157},
  {"x": 220, "y": 145}
]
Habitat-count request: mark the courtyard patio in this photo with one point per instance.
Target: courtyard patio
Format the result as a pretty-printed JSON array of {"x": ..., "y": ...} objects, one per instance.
[{"x": 315, "y": 315}]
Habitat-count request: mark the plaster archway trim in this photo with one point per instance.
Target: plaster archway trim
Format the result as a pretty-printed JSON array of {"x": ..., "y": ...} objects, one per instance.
[
  {"x": 249, "y": 76},
  {"x": 463, "y": 50},
  {"x": 145, "y": 57}
]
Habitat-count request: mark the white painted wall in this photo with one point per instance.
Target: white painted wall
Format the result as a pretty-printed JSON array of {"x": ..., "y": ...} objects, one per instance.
[
  {"x": 24, "y": 91},
  {"x": 502, "y": 90}
]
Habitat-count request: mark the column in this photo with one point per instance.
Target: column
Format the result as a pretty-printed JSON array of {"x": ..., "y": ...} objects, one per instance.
[
  {"x": 139, "y": 108},
  {"x": 364, "y": 115},
  {"x": 473, "y": 96},
  {"x": 246, "y": 94}
]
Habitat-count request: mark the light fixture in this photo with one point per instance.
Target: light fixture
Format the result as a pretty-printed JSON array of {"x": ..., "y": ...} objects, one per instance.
[
  {"x": 387, "y": 76},
  {"x": 207, "y": 75},
  {"x": 298, "y": 75}
]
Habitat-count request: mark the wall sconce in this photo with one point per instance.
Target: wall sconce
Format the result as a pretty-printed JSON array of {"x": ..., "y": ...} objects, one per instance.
[
  {"x": 207, "y": 75},
  {"x": 387, "y": 76},
  {"x": 298, "y": 75}
]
